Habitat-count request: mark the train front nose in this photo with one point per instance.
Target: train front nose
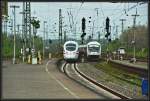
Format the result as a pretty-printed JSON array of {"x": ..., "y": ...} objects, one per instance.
[{"x": 74, "y": 55}]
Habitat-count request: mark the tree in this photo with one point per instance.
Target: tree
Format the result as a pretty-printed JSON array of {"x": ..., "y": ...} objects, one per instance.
[
  {"x": 141, "y": 36},
  {"x": 141, "y": 40}
]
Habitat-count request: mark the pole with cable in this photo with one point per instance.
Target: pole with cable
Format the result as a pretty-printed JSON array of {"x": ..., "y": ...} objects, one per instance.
[
  {"x": 44, "y": 40},
  {"x": 23, "y": 34},
  {"x": 14, "y": 7},
  {"x": 122, "y": 20},
  {"x": 134, "y": 23}
]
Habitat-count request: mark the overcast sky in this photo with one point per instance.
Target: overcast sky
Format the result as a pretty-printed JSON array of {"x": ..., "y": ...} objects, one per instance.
[{"x": 49, "y": 11}]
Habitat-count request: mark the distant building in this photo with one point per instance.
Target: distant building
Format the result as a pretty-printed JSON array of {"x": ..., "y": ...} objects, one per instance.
[{"x": 121, "y": 50}]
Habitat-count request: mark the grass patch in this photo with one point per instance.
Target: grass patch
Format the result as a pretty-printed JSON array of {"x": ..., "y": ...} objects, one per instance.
[{"x": 119, "y": 73}]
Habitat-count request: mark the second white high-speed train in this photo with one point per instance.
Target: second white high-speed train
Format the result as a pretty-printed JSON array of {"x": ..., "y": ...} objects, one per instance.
[
  {"x": 71, "y": 51},
  {"x": 93, "y": 50}
]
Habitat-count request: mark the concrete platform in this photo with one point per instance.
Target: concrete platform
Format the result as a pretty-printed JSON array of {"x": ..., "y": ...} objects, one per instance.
[{"x": 27, "y": 81}]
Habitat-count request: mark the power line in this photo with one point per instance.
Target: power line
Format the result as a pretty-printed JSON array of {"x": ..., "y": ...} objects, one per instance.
[
  {"x": 78, "y": 11},
  {"x": 126, "y": 11},
  {"x": 69, "y": 20},
  {"x": 102, "y": 12},
  {"x": 115, "y": 10}
]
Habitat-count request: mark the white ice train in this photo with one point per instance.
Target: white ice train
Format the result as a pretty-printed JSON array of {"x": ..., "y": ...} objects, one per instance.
[
  {"x": 93, "y": 50},
  {"x": 71, "y": 51}
]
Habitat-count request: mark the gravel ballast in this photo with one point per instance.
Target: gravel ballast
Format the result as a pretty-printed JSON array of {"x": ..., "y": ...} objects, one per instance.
[{"x": 104, "y": 78}]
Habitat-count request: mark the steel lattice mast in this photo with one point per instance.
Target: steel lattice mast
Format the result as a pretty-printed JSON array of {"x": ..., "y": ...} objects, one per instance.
[{"x": 27, "y": 24}]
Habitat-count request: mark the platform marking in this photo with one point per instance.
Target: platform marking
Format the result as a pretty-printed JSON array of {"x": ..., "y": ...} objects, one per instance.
[{"x": 59, "y": 81}]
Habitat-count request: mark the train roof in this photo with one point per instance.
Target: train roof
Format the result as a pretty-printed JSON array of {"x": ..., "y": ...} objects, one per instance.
[
  {"x": 93, "y": 42},
  {"x": 70, "y": 42}
]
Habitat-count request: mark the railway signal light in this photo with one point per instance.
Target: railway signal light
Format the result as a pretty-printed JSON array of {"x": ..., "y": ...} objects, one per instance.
[
  {"x": 83, "y": 24},
  {"x": 109, "y": 40},
  {"x": 35, "y": 23},
  {"x": 50, "y": 41},
  {"x": 83, "y": 35},
  {"x": 107, "y": 24},
  {"x": 90, "y": 37},
  {"x": 107, "y": 35}
]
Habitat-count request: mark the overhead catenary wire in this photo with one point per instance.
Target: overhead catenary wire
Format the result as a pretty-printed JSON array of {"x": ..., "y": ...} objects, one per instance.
[
  {"x": 78, "y": 11},
  {"x": 102, "y": 12},
  {"x": 121, "y": 13},
  {"x": 116, "y": 8}
]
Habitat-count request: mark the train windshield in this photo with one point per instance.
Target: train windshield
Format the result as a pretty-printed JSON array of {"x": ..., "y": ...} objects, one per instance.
[
  {"x": 71, "y": 47},
  {"x": 93, "y": 48}
]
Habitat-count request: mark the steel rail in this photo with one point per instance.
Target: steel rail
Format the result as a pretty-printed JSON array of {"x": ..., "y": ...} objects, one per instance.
[
  {"x": 100, "y": 85},
  {"x": 95, "y": 82}
]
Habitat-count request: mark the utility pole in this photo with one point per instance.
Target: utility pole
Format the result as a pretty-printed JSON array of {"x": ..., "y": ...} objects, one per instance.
[
  {"x": 18, "y": 30},
  {"x": 5, "y": 24},
  {"x": 18, "y": 27},
  {"x": 44, "y": 40},
  {"x": 116, "y": 37},
  {"x": 113, "y": 30},
  {"x": 134, "y": 23},
  {"x": 60, "y": 27},
  {"x": 27, "y": 24},
  {"x": 110, "y": 36},
  {"x": 93, "y": 29},
  {"x": 64, "y": 36},
  {"x": 23, "y": 42},
  {"x": 75, "y": 30},
  {"x": 23, "y": 32},
  {"x": 47, "y": 36},
  {"x": 99, "y": 34},
  {"x": 11, "y": 25},
  {"x": 14, "y": 7},
  {"x": 34, "y": 33},
  {"x": 122, "y": 20},
  {"x": 97, "y": 18},
  {"x": 70, "y": 21}
]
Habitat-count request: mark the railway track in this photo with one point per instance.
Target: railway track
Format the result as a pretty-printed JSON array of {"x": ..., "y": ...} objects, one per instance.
[
  {"x": 77, "y": 74},
  {"x": 140, "y": 71},
  {"x": 143, "y": 73}
]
